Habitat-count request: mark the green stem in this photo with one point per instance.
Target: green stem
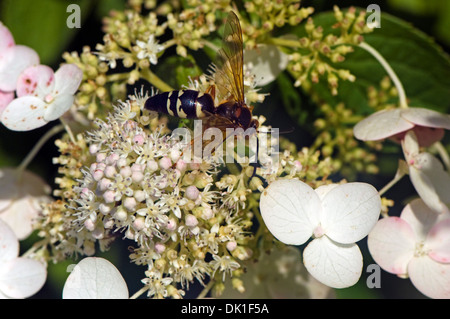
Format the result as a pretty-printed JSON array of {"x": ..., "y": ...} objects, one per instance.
[
  {"x": 398, "y": 176},
  {"x": 205, "y": 291},
  {"x": 37, "y": 147},
  {"x": 443, "y": 154},
  {"x": 155, "y": 80},
  {"x": 398, "y": 84},
  {"x": 140, "y": 292},
  {"x": 68, "y": 130},
  {"x": 117, "y": 77},
  {"x": 283, "y": 42}
]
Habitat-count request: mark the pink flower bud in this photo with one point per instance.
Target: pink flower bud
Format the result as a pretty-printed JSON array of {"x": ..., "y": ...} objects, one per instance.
[
  {"x": 125, "y": 171},
  {"x": 121, "y": 162},
  {"x": 139, "y": 223},
  {"x": 108, "y": 196},
  {"x": 171, "y": 224},
  {"x": 139, "y": 139},
  {"x": 159, "y": 248},
  {"x": 165, "y": 163},
  {"x": 100, "y": 157},
  {"x": 181, "y": 165},
  {"x": 104, "y": 184},
  {"x": 231, "y": 245},
  {"x": 110, "y": 171},
  {"x": 98, "y": 174},
  {"x": 152, "y": 165},
  {"x": 191, "y": 221},
  {"x": 129, "y": 203},
  {"x": 192, "y": 192},
  {"x": 137, "y": 177},
  {"x": 93, "y": 149}
]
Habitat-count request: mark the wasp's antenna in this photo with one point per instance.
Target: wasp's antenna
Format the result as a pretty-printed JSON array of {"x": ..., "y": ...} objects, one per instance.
[{"x": 287, "y": 131}]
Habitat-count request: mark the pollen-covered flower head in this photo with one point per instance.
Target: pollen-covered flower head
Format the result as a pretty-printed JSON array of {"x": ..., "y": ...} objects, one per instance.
[{"x": 141, "y": 185}]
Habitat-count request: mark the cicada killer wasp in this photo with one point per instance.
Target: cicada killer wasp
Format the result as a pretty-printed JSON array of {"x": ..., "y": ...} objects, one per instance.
[{"x": 232, "y": 112}]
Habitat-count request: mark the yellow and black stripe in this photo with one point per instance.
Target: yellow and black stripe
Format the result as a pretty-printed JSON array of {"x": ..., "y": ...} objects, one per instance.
[{"x": 188, "y": 104}]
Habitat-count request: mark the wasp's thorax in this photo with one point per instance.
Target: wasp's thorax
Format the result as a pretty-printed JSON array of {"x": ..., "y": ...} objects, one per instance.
[{"x": 237, "y": 112}]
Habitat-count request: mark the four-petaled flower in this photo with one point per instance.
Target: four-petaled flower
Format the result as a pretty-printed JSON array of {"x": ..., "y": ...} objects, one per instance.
[
  {"x": 43, "y": 96},
  {"x": 20, "y": 277},
  {"x": 429, "y": 125},
  {"x": 336, "y": 216},
  {"x": 416, "y": 244}
]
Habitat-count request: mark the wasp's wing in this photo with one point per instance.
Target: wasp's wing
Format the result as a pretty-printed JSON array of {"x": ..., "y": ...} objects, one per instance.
[{"x": 229, "y": 62}]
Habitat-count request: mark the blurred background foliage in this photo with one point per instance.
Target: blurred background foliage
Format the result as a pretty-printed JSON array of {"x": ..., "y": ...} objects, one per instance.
[{"x": 423, "y": 67}]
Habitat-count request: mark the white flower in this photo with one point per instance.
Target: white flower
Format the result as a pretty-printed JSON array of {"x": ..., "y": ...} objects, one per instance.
[
  {"x": 428, "y": 124},
  {"x": 278, "y": 275},
  {"x": 20, "y": 199},
  {"x": 337, "y": 216},
  {"x": 427, "y": 174},
  {"x": 416, "y": 244},
  {"x": 265, "y": 62},
  {"x": 95, "y": 278},
  {"x": 13, "y": 60},
  {"x": 19, "y": 277},
  {"x": 5, "y": 98},
  {"x": 150, "y": 49},
  {"x": 43, "y": 96}
]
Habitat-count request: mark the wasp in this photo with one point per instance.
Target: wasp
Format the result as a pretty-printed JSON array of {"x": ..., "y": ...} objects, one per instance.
[{"x": 232, "y": 112}]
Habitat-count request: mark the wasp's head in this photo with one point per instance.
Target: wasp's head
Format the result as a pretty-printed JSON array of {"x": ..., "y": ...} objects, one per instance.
[{"x": 244, "y": 118}]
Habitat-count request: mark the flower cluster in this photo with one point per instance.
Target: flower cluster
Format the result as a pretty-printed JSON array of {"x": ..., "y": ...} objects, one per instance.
[
  {"x": 309, "y": 63},
  {"x": 42, "y": 96},
  {"x": 140, "y": 186}
]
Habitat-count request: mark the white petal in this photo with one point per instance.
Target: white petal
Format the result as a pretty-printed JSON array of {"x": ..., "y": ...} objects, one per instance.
[
  {"x": 419, "y": 217},
  {"x": 95, "y": 278},
  {"x": 6, "y": 38},
  {"x": 324, "y": 189},
  {"x": 333, "y": 264},
  {"x": 24, "y": 114},
  {"x": 391, "y": 244},
  {"x": 37, "y": 80},
  {"x": 265, "y": 62},
  {"x": 9, "y": 245},
  {"x": 27, "y": 195},
  {"x": 431, "y": 182},
  {"x": 60, "y": 105},
  {"x": 8, "y": 187},
  {"x": 68, "y": 78},
  {"x": 22, "y": 277},
  {"x": 5, "y": 99},
  {"x": 426, "y": 117},
  {"x": 410, "y": 147},
  {"x": 290, "y": 208},
  {"x": 381, "y": 125},
  {"x": 350, "y": 211},
  {"x": 430, "y": 278},
  {"x": 438, "y": 241},
  {"x": 17, "y": 60}
]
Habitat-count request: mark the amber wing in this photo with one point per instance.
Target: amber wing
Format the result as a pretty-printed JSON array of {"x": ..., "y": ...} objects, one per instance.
[{"x": 229, "y": 62}]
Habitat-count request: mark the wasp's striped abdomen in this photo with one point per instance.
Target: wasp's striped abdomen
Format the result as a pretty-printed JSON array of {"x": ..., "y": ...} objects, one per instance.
[{"x": 183, "y": 103}]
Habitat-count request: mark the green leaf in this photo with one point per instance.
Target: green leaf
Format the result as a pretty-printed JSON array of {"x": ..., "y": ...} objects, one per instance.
[
  {"x": 42, "y": 25},
  {"x": 421, "y": 65},
  {"x": 291, "y": 99},
  {"x": 176, "y": 70}
]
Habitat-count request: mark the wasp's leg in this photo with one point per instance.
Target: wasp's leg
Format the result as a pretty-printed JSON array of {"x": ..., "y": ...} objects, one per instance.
[{"x": 211, "y": 90}]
